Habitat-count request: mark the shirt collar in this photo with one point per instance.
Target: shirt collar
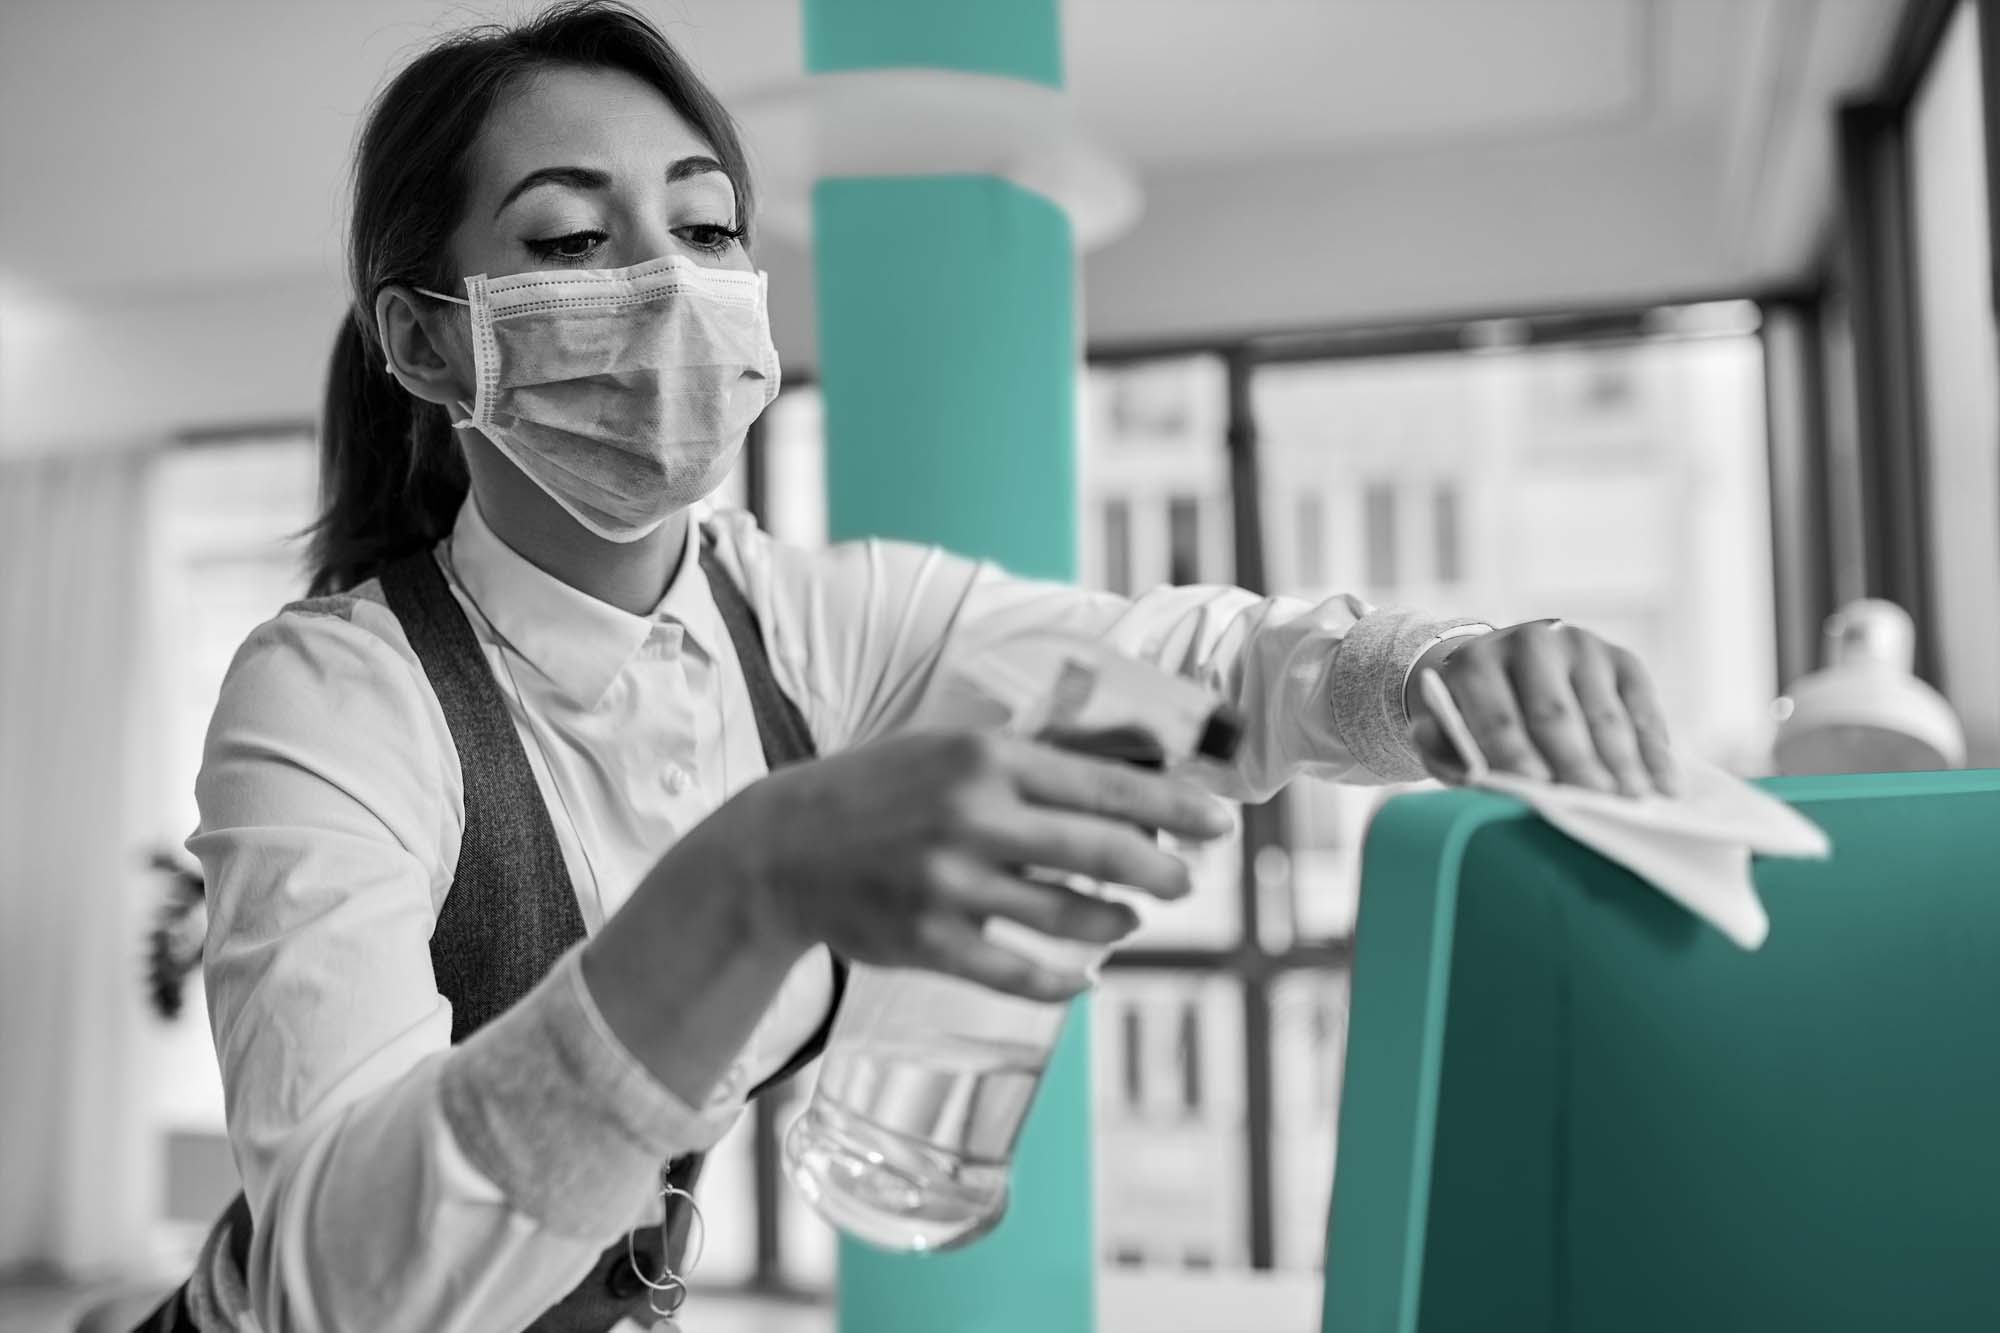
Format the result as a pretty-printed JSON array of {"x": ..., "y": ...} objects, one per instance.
[{"x": 578, "y": 642}]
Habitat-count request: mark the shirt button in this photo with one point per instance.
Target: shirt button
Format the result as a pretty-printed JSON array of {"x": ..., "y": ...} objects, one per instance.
[{"x": 676, "y": 779}]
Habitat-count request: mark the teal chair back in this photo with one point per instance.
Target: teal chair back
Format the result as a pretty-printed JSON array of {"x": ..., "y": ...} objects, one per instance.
[{"x": 1570, "y": 1106}]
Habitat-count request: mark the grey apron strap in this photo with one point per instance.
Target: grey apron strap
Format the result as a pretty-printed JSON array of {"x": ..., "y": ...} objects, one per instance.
[{"x": 512, "y": 911}]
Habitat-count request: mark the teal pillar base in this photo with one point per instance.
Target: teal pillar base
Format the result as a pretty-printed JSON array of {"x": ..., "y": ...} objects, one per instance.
[
  {"x": 948, "y": 355},
  {"x": 947, "y": 329}
]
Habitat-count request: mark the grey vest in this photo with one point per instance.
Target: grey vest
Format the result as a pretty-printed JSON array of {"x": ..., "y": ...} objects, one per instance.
[{"x": 511, "y": 912}]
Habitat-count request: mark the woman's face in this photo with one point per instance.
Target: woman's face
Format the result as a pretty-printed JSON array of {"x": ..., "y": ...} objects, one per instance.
[{"x": 575, "y": 168}]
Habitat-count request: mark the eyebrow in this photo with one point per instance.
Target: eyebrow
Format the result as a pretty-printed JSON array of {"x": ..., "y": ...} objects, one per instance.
[{"x": 591, "y": 178}]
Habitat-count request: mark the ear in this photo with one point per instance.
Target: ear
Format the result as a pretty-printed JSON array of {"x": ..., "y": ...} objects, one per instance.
[{"x": 423, "y": 354}]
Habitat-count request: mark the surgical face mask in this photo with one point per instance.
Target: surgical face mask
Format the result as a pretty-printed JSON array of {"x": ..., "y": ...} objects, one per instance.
[{"x": 624, "y": 392}]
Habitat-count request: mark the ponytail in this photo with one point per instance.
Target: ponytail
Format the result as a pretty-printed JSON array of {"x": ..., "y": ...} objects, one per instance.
[{"x": 391, "y": 474}]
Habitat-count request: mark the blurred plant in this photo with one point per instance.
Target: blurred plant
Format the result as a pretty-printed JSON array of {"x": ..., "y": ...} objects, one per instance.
[{"x": 174, "y": 946}]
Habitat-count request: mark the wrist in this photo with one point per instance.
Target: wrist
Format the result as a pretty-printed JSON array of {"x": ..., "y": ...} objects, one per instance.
[
  {"x": 682, "y": 973},
  {"x": 758, "y": 885}
]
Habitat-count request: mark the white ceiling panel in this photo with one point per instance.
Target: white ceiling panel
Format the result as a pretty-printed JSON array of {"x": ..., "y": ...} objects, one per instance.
[
  {"x": 160, "y": 146},
  {"x": 1195, "y": 81}
]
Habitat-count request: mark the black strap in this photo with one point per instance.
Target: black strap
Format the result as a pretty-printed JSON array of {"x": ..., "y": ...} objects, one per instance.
[{"x": 780, "y": 725}]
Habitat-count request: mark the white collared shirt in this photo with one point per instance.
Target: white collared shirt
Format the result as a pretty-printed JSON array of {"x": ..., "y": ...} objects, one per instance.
[{"x": 331, "y": 810}]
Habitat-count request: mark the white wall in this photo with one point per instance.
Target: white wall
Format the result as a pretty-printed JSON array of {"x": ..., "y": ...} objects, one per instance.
[
  {"x": 1293, "y": 246},
  {"x": 116, "y": 371}
]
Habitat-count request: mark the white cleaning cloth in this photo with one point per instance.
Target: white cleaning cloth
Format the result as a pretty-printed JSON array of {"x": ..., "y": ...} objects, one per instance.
[{"x": 1694, "y": 847}]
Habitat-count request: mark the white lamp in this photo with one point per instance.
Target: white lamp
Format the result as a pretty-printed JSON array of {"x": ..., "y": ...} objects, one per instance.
[{"x": 1865, "y": 711}]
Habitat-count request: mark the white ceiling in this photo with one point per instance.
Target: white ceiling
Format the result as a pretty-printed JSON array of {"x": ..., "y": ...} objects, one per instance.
[{"x": 156, "y": 147}]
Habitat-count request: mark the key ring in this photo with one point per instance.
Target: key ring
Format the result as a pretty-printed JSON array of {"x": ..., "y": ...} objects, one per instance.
[{"x": 669, "y": 1281}]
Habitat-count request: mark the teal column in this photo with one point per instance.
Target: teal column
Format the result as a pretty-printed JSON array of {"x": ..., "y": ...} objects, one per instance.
[{"x": 948, "y": 351}]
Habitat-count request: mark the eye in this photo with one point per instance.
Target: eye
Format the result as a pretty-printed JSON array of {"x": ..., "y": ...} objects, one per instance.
[
  {"x": 708, "y": 237},
  {"x": 573, "y": 248}
]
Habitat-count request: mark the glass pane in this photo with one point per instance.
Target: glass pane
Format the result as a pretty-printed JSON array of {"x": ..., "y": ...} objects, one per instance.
[
  {"x": 1154, "y": 476},
  {"x": 1961, "y": 377},
  {"x": 734, "y": 492},
  {"x": 728, "y": 1242},
  {"x": 1168, "y": 1048},
  {"x": 1445, "y": 562},
  {"x": 1118, "y": 547},
  {"x": 795, "y": 467},
  {"x": 807, "y": 1245},
  {"x": 1151, "y": 441},
  {"x": 1311, "y": 571},
  {"x": 1622, "y": 487},
  {"x": 1183, "y": 540},
  {"x": 1378, "y": 523},
  {"x": 1308, "y": 1054}
]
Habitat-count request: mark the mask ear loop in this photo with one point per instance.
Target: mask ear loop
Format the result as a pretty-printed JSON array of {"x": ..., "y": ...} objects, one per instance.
[
  {"x": 466, "y": 422},
  {"x": 669, "y": 1285}
]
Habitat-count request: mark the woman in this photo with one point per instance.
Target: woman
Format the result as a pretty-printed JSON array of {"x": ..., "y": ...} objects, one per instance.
[{"x": 505, "y": 911}]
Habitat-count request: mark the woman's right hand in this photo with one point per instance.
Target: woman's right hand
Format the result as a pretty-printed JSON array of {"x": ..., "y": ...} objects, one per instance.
[{"x": 897, "y": 853}]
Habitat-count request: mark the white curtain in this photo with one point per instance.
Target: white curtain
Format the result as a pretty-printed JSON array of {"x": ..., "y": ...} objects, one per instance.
[{"x": 77, "y": 1169}]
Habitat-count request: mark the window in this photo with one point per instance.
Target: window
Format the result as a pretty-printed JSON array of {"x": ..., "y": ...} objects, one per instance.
[
  {"x": 1190, "y": 1053},
  {"x": 1445, "y": 534},
  {"x": 1311, "y": 519},
  {"x": 1134, "y": 1057},
  {"x": 794, "y": 463},
  {"x": 1183, "y": 540},
  {"x": 1608, "y": 385},
  {"x": 1118, "y": 546},
  {"x": 1378, "y": 523},
  {"x": 1960, "y": 384},
  {"x": 1154, "y": 398},
  {"x": 1170, "y": 1160}
]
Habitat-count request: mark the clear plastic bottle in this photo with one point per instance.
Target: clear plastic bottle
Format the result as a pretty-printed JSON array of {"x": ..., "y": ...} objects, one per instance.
[{"x": 907, "y": 1140}]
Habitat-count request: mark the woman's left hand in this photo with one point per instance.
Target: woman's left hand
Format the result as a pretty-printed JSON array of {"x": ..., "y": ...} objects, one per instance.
[{"x": 1548, "y": 701}]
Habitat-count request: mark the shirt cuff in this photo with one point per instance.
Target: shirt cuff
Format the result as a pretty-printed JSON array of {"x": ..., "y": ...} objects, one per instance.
[
  {"x": 1465, "y": 631},
  {"x": 1371, "y": 673},
  {"x": 549, "y": 1105}
]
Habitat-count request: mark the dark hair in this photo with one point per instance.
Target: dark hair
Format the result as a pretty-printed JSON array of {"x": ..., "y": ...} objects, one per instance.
[{"x": 392, "y": 476}]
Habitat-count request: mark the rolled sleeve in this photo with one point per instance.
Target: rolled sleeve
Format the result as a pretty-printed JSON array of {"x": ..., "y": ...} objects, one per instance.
[{"x": 1370, "y": 678}]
